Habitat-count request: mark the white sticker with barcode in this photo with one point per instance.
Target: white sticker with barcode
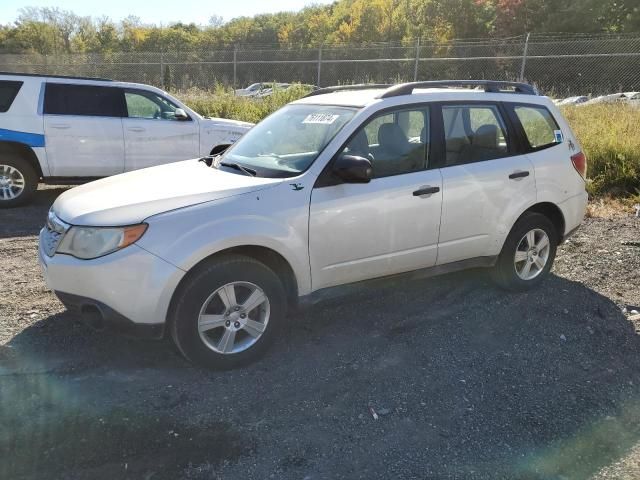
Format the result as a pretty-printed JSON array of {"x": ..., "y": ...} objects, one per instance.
[{"x": 324, "y": 118}]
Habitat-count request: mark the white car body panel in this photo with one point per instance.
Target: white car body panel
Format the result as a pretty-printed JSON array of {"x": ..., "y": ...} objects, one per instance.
[
  {"x": 132, "y": 197},
  {"x": 328, "y": 235},
  {"x": 84, "y": 146},
  {"x": 366, "y": 231},
  {"x": 480, "y": 204}
]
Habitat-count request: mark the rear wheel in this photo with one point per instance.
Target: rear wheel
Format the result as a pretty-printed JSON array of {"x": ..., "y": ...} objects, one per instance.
[
  {"x": 18, "y": 181},
  {"x": 228, "y": 313},
  {"x": 527, "y": 254}
]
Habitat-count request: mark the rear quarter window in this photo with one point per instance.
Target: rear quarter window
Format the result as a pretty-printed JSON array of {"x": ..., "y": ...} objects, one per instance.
[
  {"x": 539, "y": 126},
  {"x": 8, "y": 91}
]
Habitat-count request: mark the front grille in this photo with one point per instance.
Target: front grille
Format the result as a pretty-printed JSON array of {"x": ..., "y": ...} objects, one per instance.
[{"x": 52, "y": 233}]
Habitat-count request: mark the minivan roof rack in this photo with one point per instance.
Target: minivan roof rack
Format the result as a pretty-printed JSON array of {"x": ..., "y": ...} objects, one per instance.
[
  {"x": 489, "y": 86},
  {"x": 18, "y": 74},
  {"x": 346, "y": 88}
]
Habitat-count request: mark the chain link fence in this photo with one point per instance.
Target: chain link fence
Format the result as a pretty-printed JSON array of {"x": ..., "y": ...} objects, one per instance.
[{"x": 560, "y": 65}]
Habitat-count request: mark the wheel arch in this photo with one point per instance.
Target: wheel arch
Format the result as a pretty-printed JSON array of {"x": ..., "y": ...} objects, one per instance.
[
  {"x": 272, "y": 259},
  {"x": 23, "y": 151},
  {"x": 552, "y": 212}
]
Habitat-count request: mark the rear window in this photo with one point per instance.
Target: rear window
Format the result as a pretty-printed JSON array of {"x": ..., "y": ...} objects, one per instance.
[
  {"x": 87, "y": 100},
  {"x": 539, "y": 126},
  {"x": 8, "y": 91}
]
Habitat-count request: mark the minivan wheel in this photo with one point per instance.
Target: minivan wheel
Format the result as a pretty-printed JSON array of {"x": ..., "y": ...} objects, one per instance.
[
  {"x": 18, "y": 181},
  {"x": 527, "y": 254},
  {"x": 228, "y": 313}
]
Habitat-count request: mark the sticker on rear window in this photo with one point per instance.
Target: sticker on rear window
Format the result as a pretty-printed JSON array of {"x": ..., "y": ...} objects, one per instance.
[
  {"x": 324, "y": 118},
  {"x": 558, "y": 135}
]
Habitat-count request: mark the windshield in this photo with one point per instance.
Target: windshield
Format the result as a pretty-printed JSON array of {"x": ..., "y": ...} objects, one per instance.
[{"x": 287, "y": 142}]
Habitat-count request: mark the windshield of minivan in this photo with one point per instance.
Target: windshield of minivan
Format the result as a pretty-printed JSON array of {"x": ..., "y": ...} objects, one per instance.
[{"x": 287, "y": 142}]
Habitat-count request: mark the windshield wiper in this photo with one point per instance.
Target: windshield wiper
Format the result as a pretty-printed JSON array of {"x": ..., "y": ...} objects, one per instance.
[{"x": 248, "y": 171}]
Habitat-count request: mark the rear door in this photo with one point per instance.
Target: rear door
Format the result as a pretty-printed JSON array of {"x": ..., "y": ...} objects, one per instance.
[
  {"x": 152, "y": 133},
  {"x": 486, "y": 179},
  {"x": 83, "y": 129}
]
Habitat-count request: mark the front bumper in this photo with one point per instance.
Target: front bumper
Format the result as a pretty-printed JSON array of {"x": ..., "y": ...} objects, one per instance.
[
  {"x": 130, "y": 289},
  {"x": 99, "y": 316}
]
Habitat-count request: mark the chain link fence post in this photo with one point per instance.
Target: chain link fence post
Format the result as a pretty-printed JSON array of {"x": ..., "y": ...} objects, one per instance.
[
  {"x": 162, "y": 86},
  {"x": 319, "y": 64},
  {"x": 524, "y": 58},
  {"x": 235, "y": 67},
  {"x": 415, "y": 66}
]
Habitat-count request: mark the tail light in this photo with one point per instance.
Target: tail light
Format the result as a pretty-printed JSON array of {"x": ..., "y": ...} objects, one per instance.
[{"x": 579, "y": 161}]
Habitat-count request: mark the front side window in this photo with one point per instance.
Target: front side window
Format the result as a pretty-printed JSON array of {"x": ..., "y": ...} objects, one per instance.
[
  {"x": 8, "y": 92},
  {"x": 287, "y": 142},
  {"x": 395, "y": 142},
  {"x": 539, "y": 126},
  {"x": 141, "y": 104},
  {"x": 86, "y": 100},
  {"x": 473, "y": 133}
]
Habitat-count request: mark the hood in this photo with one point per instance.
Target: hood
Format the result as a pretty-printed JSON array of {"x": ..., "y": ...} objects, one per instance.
[
  {"x": 225, "y": 122},
  {"x": 129, "y": 198}
]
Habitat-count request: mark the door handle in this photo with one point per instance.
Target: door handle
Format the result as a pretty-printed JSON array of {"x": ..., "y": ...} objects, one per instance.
[
  {"x": 428, "y": 190},
  {"x": 60, "y": 126},
  {"x": 517, "y": 175},
  {"x": 136, "y": 129}
]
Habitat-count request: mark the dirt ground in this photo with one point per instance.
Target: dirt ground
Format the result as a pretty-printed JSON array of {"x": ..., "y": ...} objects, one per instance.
[{"x": 468, "y": 382}]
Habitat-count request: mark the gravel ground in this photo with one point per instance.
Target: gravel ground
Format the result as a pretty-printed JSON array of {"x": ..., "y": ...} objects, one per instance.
[{"x": 467, "y": 381}]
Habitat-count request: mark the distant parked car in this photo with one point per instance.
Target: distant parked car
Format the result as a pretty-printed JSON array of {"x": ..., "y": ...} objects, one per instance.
[
  {"x": 259, "y": 90},
  {"x": 611, "y": 98},
  {"x": 64, "y": 130},
  {"x": 572, "y": 100}
]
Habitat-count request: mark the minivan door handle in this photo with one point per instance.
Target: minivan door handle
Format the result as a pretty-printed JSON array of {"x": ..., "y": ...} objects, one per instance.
[
  {"x": 517, "y": 175},
  {"x": 60, "y": 126},
  {"x": 428, "y": 190},
  {"x": 136, "y": 129}
]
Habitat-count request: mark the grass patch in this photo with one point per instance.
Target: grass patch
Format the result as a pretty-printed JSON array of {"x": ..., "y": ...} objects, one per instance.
[
  {"x": 221, "y": 102},
  {"x": 611, "y": 140},
  {"x": 608, "y": 133}
]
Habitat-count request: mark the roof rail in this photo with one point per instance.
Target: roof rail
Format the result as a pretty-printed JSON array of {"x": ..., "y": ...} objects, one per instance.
[
  {"x": 345, "y": 88},
  {"x": 490, "y": 86},
  {"x": 18, "y": 74}
]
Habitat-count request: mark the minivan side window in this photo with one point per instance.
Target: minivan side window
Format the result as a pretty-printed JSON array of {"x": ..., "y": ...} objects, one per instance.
[
  {"x": 395, "y": 142},
  {"x": 539, "y": 126},
  {"x": 86, "y": 100},
  {"x": 8, "y": 92},
  {"x": 474, "y": 133}
]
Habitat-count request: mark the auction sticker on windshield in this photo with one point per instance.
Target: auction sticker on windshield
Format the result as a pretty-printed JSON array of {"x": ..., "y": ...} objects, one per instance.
[{"x": 324, "y": 118}]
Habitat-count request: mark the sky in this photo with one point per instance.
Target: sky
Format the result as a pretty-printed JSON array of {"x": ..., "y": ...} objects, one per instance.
[{"x": 160, "y": 11}]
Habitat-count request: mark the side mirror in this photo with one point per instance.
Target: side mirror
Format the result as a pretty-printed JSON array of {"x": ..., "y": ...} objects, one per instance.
[
  {"x": 353, "y": 169},
  {"x": 180, "y": 114}
]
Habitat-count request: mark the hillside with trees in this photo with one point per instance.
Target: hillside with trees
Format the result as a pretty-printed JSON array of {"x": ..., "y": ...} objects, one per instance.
[{"x": 53, "y": 30}]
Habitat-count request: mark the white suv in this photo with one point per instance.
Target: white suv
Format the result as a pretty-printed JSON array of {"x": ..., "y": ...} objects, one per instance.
[
  {"x": 68, "y": 130},
  {"x": 345, "y": 185}
]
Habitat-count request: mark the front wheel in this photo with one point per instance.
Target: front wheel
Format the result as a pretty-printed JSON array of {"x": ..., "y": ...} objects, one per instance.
[
  {"x": 228, "y": 313},
  {"x": 527, "y": 254}
]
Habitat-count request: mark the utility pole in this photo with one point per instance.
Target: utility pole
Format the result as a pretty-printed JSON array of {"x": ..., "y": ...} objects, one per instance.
[{"x": 524, "y": 58}]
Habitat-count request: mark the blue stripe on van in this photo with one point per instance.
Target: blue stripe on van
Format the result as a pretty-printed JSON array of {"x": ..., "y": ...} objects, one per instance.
[{"x": 31, "y": 139}]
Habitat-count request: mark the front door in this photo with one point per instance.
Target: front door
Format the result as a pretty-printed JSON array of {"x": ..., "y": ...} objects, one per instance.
[
  {"x": 152, "y": 133},
  {"x": 387, "y": 226}
]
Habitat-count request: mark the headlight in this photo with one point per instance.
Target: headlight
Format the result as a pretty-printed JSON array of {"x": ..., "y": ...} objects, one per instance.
[{"x": 93, "y": 242}]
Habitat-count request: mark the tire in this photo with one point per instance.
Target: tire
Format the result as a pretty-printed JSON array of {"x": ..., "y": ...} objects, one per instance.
[
  {"x": 207, "y": 292},
  {"x": 512, "y": 275},
  {"x": 16, "y": 172}
]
